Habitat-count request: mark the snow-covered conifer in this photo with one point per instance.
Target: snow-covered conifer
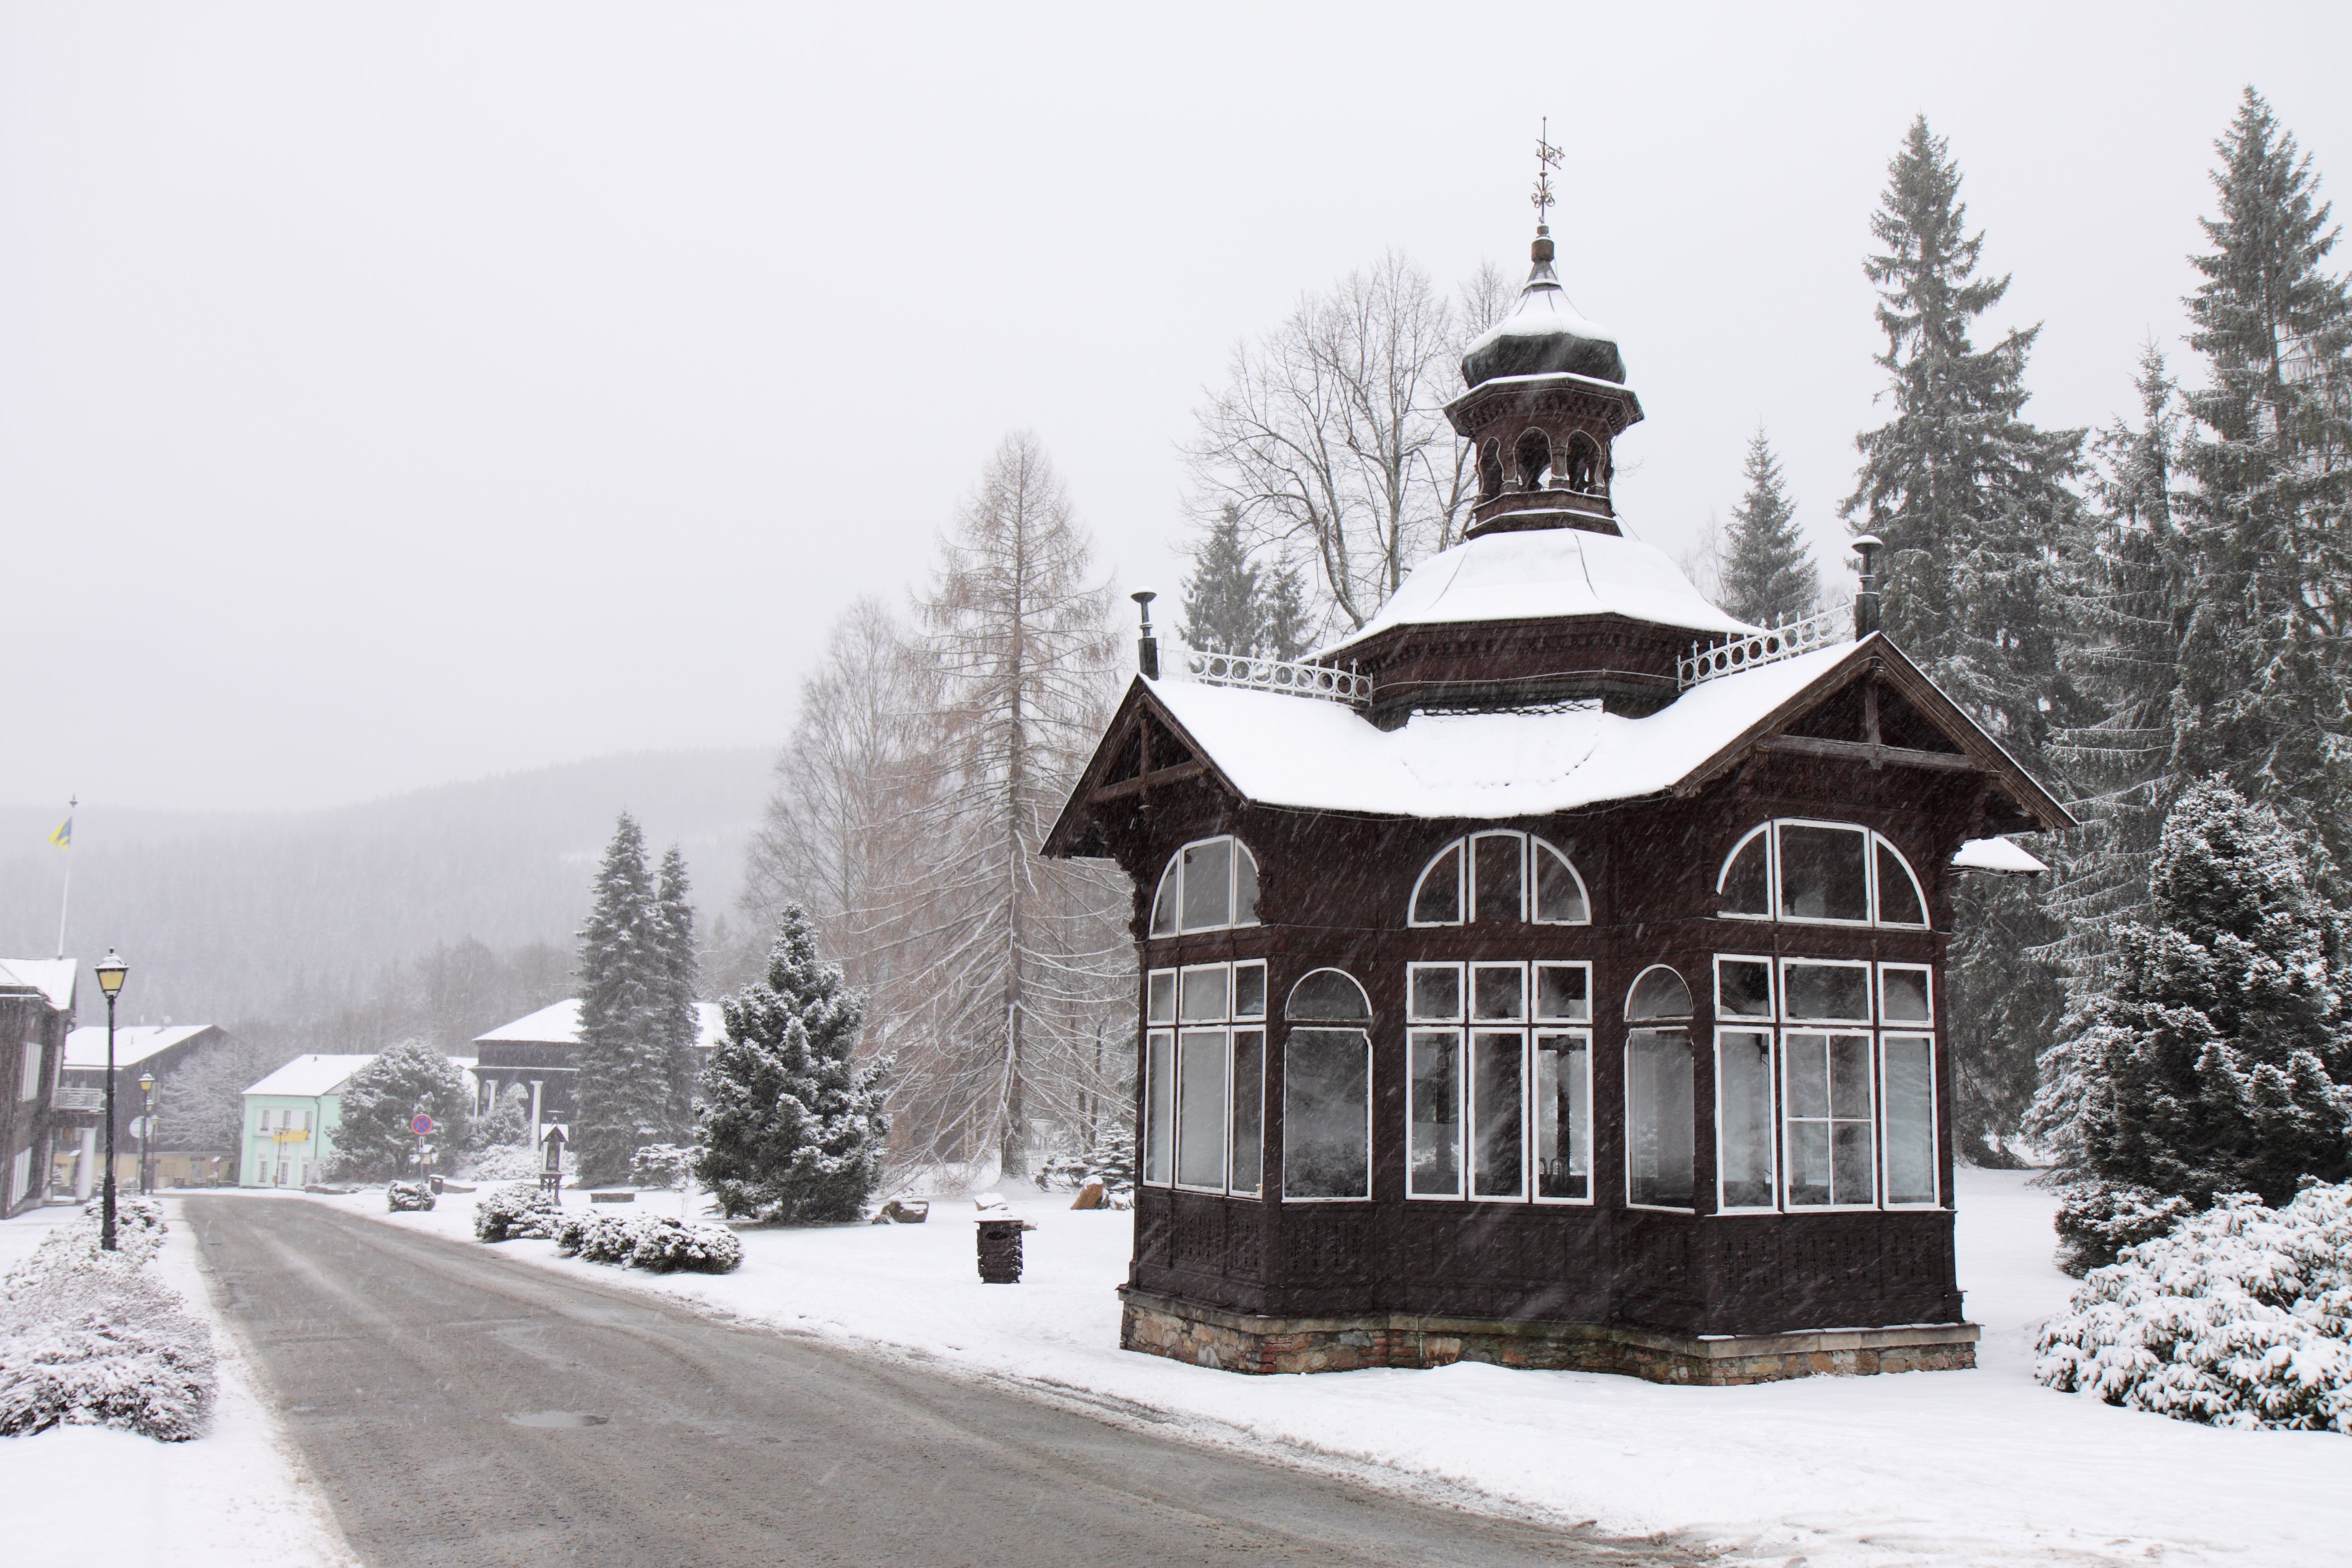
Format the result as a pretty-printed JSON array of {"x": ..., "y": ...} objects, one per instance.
[
  {"x": 374, "y": 1138},
  {"x": 1767, "y": 574},
  {"x": 622, "y": 1101},
  {"x": 2218, "y": 1058},
  {"x": 791, "y": 1124},
  {"x": 678, "y": 977}
]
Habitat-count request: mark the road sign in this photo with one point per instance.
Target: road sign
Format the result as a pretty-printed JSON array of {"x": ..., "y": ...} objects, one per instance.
[{"x": 420, "y": 1124}]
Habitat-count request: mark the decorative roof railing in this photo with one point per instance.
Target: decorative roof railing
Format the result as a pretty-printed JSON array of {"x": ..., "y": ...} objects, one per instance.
[
  {"x": 1771, "y": 646},
  {"x": 1285, "y": 675}
]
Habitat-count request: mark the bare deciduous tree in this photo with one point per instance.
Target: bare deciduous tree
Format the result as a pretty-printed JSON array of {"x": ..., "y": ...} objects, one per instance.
[{"x": 1329, "y": 440}]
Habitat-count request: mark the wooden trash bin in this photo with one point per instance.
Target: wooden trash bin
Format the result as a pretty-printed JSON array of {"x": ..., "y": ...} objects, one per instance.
[{"x": 999, "y": 1249}]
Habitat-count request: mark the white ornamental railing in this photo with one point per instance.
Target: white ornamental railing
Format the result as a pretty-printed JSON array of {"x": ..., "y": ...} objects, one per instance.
[
  {"x": 1771, "y": 646},
  {"x": 1281, "y": 675}
]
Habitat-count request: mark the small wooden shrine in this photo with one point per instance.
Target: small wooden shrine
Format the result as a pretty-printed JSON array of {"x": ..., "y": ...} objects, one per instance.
[{"x": 1550, "y": 973}]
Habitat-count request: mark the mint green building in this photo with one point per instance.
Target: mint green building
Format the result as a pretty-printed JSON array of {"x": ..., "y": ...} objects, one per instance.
[{"x": 290, "y": 1118}]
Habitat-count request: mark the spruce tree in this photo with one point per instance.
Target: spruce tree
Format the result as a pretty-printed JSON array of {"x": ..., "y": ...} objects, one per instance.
[
  {"x": 2264, "y": 695},
  {"x": 1285, "y": 630},
  {"x": 2218, "y": 1057},
  {"x": 1233, "y": 604},
  {"x": 680, "y": 978},
  {"x": 622, "y": 1098},
  {"x": 791, "y": 1124},
  {"x": 1767, "y": 574},
  {"x": 1974, "y": 506}
]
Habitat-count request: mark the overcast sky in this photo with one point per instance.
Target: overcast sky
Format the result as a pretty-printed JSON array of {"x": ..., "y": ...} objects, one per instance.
[{"x": 396, "y": 394}]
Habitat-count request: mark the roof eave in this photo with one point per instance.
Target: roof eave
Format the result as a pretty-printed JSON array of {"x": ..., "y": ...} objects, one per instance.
[{"x": 1062, "y": 840}]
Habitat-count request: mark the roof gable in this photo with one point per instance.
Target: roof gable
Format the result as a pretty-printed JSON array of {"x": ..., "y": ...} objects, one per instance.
[{"x": 1301, "y": 752}]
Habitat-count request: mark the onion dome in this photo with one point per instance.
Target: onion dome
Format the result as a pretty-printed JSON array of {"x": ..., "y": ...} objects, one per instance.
[{"x": 1543, "y": 336}]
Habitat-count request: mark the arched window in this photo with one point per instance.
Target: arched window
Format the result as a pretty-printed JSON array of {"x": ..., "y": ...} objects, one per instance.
[
  {"x": 1583, "y": 467},
  {"x": 1328, "y": 996},
  {"x": 1208, "y": 886},
  {"x": 1658, "y": 992},
  {"x": 1496, "y": 877},
  {"x": 1327, "y": 1090},
  {"x": 1831, "y": 873},
  {"x": 1660, "y": 1092},
  {"x": 1532, "y": 456}
]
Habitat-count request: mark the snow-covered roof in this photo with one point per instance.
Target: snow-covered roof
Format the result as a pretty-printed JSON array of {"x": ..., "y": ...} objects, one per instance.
[
  {"x": 2001, "y": 855},
  {"x": 312, "y": 1075},
  {"x": 52, "y": 977},
  {"x": 1533, "y": 573},
  {"x": 558, "y": 1023},
  {"x": 1543, "y": 332},
  {"x": 133, "y": 1043},
  {"x": 1288, "y": 750}
]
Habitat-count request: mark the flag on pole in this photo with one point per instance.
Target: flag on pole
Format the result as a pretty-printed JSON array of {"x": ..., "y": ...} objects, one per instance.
[{"x": 62, "y": 835}]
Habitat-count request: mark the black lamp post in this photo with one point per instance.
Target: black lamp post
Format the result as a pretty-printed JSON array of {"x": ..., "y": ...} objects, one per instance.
[
  {"x": 146, "y": 1133},
  {"x": 110, "y": 971}
]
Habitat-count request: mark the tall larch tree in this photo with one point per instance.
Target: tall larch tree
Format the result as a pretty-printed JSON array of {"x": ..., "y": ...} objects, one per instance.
[
  {"x": 2264, "y": 698},
  {"x": 1974, "y": 505},
  {"x": 622, "y": 1098},
  {"x": 1020, "y": 958},
  {"x": 1769, "y": 575}
]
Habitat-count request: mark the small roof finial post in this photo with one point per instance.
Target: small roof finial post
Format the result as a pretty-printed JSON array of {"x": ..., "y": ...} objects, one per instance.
[{"x": 1546, "y": 160}]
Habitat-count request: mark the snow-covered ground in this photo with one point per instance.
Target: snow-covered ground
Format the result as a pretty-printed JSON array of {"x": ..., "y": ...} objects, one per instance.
[
  {"x": 1979, "y": 1467},
  {"x": 236, "y": 1496}
]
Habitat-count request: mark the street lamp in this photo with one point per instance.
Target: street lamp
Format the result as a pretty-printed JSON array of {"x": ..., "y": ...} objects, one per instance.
[
  {"x": 146, "y": 1131},
  {"x": 110, "y": 971}
]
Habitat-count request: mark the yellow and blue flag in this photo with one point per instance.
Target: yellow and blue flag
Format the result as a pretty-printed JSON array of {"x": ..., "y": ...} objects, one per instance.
[{"x": 62, "y": 835}]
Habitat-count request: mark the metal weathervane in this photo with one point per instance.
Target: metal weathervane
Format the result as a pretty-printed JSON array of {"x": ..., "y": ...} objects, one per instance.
[{"x": 1546, "y": 160}]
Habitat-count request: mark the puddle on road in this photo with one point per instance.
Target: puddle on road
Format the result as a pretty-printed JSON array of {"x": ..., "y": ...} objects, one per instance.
[{"x": 557, "y": 1418}]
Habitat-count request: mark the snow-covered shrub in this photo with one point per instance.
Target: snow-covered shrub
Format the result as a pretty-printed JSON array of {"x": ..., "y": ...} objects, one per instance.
[
  {"x": 89, "y": 1338},
  {"x": 2095, "y": 1223},
  {"x": 2240, "y": 1317},
  {"x": 654, "y": 1242},
  {"x": 514, "y": 1162},
  {"x": 516, "y": 1212},
  {"x": 405, "y": 1197},
  {"x": 663, "y": 1165}
]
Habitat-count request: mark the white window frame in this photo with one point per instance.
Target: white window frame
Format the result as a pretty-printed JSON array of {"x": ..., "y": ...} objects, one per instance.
[
  {"x": 1264, "y": 1029},
  {"x": 1459, "y": 1037},
  {"x": 1461, "y": 995},
  {"x": 1535, "y": 1018},
  {"x": 1839, "y": 1025},
  {"x": 1627, "y": 1008},
  {"x": 1528, "y": 880},
  {"x": 1592, "y": 1114},
  {"x": 1172, "y": 1030},
  {"x": 1470, "y": 871},
  {"x": 1873, "y": 841},
  {"x": 1517, "y": 1033},
  {"x": 1655, "y": 1026},
  {"x": 1877, "y": 1139},
  {"x": 1166, "y": 1039},
  {"x": 1470, "y": 995},
  {"x": 1935, "y": 1123},
  {"x": 1771, "y": 872},
  {"x": 1364, "y": 1032},
  {"x": 1907, "y": 1026},
  {"x": 1772, "y": 988},
  {"x": 1877, "y": 905},
  {"x": 31, "y": 1057},
  {"x": 1171, "y": 876},
  {"x": 1150, "y": 1017},
  {"x": 1869, "y": 872},
  {"x": 1460, "y": 849},
  {"x": 1220, "y": 1033},
  {"x": 1771, "y": 1115}
]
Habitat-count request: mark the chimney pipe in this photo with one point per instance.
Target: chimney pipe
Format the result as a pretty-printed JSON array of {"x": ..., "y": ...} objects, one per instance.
[
  {"x": 1865, "y": 597},
  {"x": 1147, "y": 647}
]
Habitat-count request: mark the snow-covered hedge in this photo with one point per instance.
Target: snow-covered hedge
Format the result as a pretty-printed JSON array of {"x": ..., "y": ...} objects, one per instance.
[
  {"x": 405, "y": 1197},
  {"x": 2240, "y": 1317},
  {"x": 513, "y": 1162},
  {"x": 654, "y": 1242},
  {"x": 91, "y": 1338},
  {"x": 515, "y": 1213}
]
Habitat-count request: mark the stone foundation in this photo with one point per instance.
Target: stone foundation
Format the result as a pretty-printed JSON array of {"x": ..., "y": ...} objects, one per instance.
[{"x": 1233, "y": 1342}]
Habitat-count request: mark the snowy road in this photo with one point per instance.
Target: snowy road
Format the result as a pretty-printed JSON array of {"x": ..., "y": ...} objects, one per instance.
[{"x": 655, "y": 1436}]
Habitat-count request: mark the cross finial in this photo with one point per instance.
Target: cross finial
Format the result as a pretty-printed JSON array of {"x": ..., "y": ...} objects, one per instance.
[{"x": 1546, "y": 160}]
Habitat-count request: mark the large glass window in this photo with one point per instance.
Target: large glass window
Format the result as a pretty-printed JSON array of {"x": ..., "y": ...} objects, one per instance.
[
  {"x": 1827, "y": 1091},
  {"x": 1499, "y": 1113},
  {"x": 1823, "y": 992},
  {"x": 1905, "y": 994},
  {"x": 1208, "y": 886},
  {"x": 1660, "y": 1090},
  {"x": 1743, "y": 1117},
  {"x": 1819, "y": 872},
  {"x": 1204, "y": 1077},
  {"x": 1327, "y": 1090},
  {"x": 1499, "y": 878},
  {"x": 1907, "y": 1070}
]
